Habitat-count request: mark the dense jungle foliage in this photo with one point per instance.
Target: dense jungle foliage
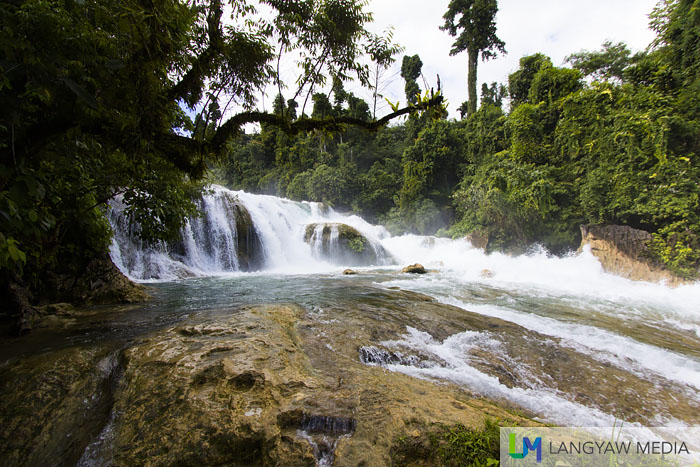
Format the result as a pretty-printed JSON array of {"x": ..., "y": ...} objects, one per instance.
[
  {"x": 130, "y": 98},
  {"x": 613, "y": 139},
  {"x": 105, "y": 98}
]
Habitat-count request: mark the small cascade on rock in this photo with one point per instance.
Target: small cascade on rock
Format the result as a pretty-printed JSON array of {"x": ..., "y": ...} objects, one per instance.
[
  {"x": 238, "y": 231},
  {"x": 343, "y": 244},
  {"x": 333, "y": 246},
  {"x": 323, "y": 434},
  {"x": 372, "y": 355},
  {"x": 316, "y": 239}
]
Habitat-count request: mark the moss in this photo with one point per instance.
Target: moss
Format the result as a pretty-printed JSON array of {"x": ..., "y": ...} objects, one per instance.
[
  {"x": 355, "y": 240},
  {"x": 444, "y": 445},
  {"x": 357, "y": 244},
  {"x": 353, "y": 245}
]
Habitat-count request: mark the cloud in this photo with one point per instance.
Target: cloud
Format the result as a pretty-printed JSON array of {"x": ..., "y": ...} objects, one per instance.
[{"x": 556, "y": 28}]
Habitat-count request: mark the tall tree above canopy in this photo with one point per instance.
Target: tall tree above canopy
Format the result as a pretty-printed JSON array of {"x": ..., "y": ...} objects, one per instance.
[
  {"x": 473, "y": 23},
  {"x": 411, "y": 66},
  {"x": 382, "y": 52}
]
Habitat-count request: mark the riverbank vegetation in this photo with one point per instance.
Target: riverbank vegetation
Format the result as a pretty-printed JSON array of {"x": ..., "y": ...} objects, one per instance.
[{"x": 449, "y": 446}]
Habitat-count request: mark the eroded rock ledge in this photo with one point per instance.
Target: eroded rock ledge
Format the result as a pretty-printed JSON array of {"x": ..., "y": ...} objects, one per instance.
[
  {"x": 623, "y": 250},
  {"x": 239, "y": 390}
]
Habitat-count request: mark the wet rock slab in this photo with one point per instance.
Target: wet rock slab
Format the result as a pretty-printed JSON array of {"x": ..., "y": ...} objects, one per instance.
[{"x": 255, "y": 388}]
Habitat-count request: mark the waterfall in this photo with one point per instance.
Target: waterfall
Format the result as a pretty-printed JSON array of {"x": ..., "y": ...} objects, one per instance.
[{"x": 238, "y": 231}]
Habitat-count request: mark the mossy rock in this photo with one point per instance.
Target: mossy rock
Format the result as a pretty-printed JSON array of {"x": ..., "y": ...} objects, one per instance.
[
  {"x": 343, "y": 244},
  {"x": 103, "y": 283}
]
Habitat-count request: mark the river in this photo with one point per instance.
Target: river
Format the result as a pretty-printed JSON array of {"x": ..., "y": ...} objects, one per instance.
[{"x": 556, "y": 336}]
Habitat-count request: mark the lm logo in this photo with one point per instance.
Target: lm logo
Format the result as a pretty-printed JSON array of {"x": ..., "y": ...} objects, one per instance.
[{"x": 527, "y": 447}]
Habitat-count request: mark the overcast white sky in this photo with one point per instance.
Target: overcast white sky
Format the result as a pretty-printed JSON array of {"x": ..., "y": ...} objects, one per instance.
[{"x": 556, "y": 28}]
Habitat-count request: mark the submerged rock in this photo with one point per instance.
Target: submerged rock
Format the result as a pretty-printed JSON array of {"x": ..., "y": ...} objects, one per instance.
[
  {"x": 624, "y": 251},
  {"x": 414, "y": 269},
  {"x": 343, "y": 244},
  {"x": 54, "y": 403},
  {"x": 486, "y": 273}
]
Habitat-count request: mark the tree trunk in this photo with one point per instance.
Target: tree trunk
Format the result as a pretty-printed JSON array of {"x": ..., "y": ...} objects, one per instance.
[
  {"x": 17, "y": 297},
  {"x": 376, "y": 91},
  {"x": 471, "y": 79}
]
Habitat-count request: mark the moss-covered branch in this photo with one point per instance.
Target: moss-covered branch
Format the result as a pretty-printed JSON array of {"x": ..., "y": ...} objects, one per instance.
[{"x": 304, "y": 124}]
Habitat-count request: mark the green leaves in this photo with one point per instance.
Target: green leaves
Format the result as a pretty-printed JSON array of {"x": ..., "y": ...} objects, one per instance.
[
  {"x": 455, "y": 445},
  {"x": 80, "y": 92},
  {"x": 11, "y": 257},
  {"x": 394, "y": 107}
]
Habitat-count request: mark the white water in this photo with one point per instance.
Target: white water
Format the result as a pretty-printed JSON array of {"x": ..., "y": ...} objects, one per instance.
[
  {"x": 209, "y": 243},
  {"x": 454, "y": 350},
  {"x": 569, "y": 299}
]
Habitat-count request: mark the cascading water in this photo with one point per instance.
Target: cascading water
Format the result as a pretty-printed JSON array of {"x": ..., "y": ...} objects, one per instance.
[
  {"x": 238, "y": 231},
  {"x": 221, "y": 239}
]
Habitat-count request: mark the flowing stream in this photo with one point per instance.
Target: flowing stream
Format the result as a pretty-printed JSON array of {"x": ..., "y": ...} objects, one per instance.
[{"x": 555, "y": 336}]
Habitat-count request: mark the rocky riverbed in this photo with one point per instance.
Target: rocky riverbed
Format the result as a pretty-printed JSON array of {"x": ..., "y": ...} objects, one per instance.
[{"x": 272, "y": 384}]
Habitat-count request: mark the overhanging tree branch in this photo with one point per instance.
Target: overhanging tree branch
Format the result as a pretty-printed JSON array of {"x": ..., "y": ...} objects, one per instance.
[
  {"x": 191, "y": 84},
  {"x": 333, "y": 124}
]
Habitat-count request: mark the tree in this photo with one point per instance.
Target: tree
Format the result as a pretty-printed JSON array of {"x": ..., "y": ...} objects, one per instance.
[
  {"x": 382, "y": 53},
  {"x": 473, "y": 22},
  {"x": 91, "y": 106},
  {"x": 519, "y": 82},
  {"x": 492, "y": 95},
  {"x": 606, "y": 64},
  {"x": 410, "y": 71}
]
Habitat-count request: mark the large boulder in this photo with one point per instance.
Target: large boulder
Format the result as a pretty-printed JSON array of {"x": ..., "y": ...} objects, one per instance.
[
  {"x": 624, "y": 250},
  {"x": 103, "y": 283},
  {"x": 414, "y": 269},
  {"x": 479, "y": 239},
  {"x": 99, "y": 282},
  {"x": 342, "y": 244}
]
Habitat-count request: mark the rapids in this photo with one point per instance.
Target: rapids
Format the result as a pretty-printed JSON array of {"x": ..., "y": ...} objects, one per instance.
[{"x": 555, "y": 336}]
